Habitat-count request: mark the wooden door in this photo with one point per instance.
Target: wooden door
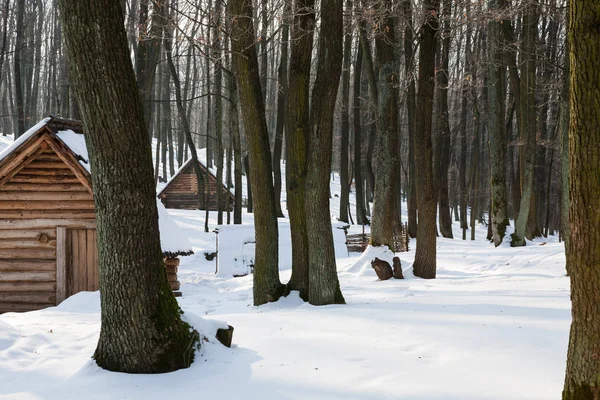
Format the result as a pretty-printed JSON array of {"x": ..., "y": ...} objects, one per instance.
[{"x": 77, "y": 262}]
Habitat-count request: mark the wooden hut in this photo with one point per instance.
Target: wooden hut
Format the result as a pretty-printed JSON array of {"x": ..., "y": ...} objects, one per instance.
[
  {"x": 47, "y": 220},
  {"x": 181, "y": 191}
]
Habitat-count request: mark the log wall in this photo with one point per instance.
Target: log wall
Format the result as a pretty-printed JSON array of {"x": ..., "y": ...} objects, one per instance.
[
  {"x": 41, "y": 196},
  {"x": 182, "y": 192}
]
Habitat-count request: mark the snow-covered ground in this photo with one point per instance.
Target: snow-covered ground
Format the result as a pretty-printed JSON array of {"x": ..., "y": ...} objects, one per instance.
[{"x": 493, "y": 325}]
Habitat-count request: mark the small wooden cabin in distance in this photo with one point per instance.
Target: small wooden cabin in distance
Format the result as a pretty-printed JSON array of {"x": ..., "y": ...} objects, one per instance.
[
  {"x": 181, "y": 191},
  {"x": 47, "y": 220}
]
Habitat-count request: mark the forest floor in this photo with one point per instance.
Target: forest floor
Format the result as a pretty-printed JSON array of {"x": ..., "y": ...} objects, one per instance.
[{"x": 493, "y": 325}]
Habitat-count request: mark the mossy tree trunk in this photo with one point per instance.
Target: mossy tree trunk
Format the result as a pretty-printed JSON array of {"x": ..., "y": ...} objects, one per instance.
[
  {"x": 142, "y": 330},
  {"x": 297, "y": 127},
  {"x": 324, "y": 287},
  {"x": 582, "y": 380},
  {"x": 425, "y": 254},
  {"x": 385, "y": 221},
  {"x": 267, "y": 286}
]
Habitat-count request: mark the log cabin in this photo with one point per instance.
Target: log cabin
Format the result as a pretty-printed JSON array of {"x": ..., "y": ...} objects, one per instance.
[
  {"x": 47, "y": 220},
  {"x": 181, "y": 191}
]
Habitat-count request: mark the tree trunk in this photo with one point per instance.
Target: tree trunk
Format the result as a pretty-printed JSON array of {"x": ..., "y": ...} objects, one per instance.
[
  {"x": 267, "y": 286},
  {"x": 410, "y": 114},
  {"x": 297, "y": 140},
  {"x": 496, "y": 126},
  {"x": 444, "y": 126},
  {"x": 385, "y": 222},
  {"x": 324, "y": 287},
  {"x": 142, "y": 331},
  {"x": 425, "y": 254},
  {"x": 361, "y": 217},
  {"x": 528, "y": 131},
  {"x": 282, "y": 77},
  {"x": 345, "y": 124},
  {"x": 582, "y": 380},
  {"x": 19, "y": 11}
]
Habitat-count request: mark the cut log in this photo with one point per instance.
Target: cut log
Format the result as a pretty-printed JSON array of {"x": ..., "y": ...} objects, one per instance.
[
  {"x": 382, "y": 269},
  {"x": 225, "y": 336},
  {"x": 175, "y": 285},
  {"x": 398, "y": 268}
]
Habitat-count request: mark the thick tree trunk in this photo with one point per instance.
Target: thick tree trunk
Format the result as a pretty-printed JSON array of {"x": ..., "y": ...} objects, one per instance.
[
  {"x": 582, "y": 380},
  {"x": 267, "y": 286},
  {"x": 142, "y": 331},
  {"x": 385, "y": 222},
  {"x": 425, "y": 254},
  {"x": 218, "y": 65},
  {"x": 324, "y": 287},
  {"x": 297, "y": 140}
]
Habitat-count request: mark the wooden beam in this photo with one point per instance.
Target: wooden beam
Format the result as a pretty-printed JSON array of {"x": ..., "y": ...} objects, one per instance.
[
  {"x": 28, "y": 276},
  {"x": 27, "y": 265},
  {"x": 54, "y": 214},
  {"x": 86, "y": 223},
  {"x": 43, "y": 187},
  {"x": 46, "y": 205},
  {"x": 61, "y": 264},
  {"x": 48, "y": 196}
]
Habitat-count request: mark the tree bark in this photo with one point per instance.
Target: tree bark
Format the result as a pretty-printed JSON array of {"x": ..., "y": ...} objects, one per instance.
[
  {"x": 324, "y": 287},
  {"x": 445, "y": 219},
  {"x": 142, "y": 331},
  {"x": 267, "y": 286},
  {"x": 282, "y": 78},
  {"x": 298, "y": 113},
  {"x": 361, "y": 217},
  {"x": 385, "y": 222},
  {"x": 425, "y": 254},
  {"x": 410, "y": 115},
  {"x": 582, "y": 380},
  {"x": 498, "y": 141},
  {"x": 345, "y": 123}
]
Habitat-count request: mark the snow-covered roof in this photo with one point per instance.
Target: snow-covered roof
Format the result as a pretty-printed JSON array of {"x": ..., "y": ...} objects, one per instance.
[{"x": 173, "y": 240}]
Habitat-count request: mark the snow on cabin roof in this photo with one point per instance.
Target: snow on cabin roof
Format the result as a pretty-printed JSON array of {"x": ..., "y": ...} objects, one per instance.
[{"x": 173, "y": 240}]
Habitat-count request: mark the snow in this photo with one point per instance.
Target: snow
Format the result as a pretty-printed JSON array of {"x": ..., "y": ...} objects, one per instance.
[
  {"x": 29, "y": 133},
  {"x": 493, "y": 325},
  {"x": 172, "y": 239},
  {"x": 76, "y": 142}
]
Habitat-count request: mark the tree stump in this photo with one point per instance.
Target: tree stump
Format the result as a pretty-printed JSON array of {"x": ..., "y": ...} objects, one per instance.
[
  {"x": 225, "y": 336},
  {"x": 382, "y": 269},
  {"x": 398, "y": 268}
]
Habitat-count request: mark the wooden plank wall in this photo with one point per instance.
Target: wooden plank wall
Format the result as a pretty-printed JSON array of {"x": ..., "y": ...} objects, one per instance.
[
  {"x": 43, "y": 195},
  {"x": 182, "y": 193}
]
